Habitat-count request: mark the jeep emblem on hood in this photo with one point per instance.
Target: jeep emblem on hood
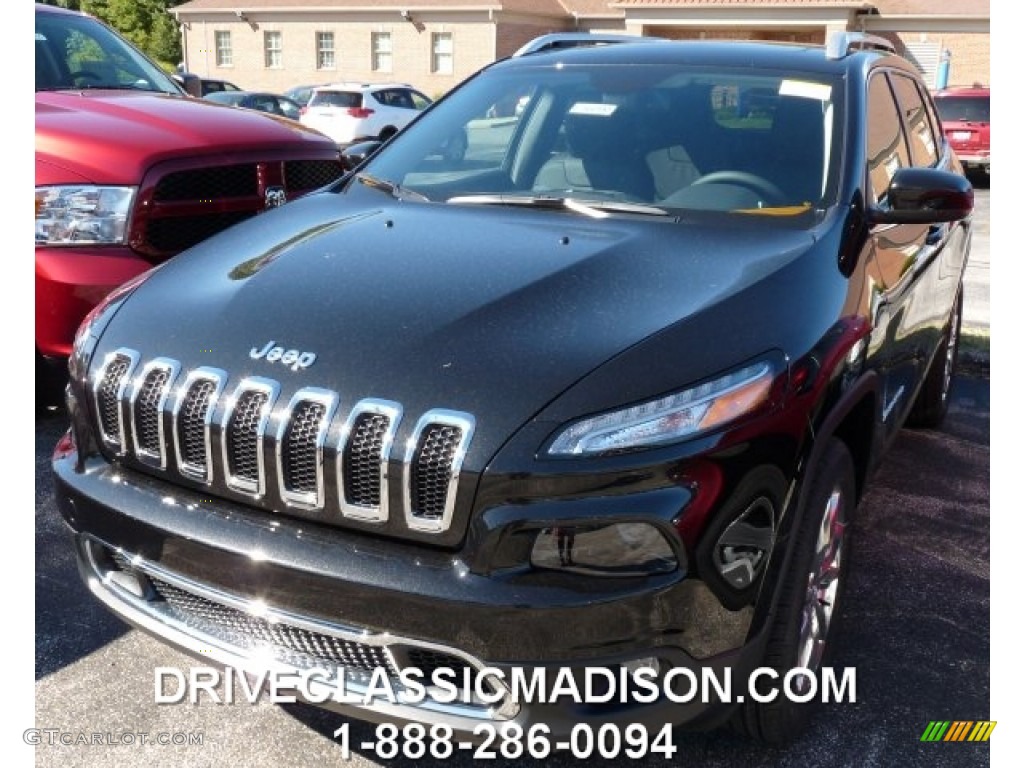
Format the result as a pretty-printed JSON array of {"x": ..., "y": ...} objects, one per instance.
[{"x": 293, "y": 358}]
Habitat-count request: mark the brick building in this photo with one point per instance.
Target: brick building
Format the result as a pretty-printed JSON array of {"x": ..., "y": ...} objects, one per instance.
[{"x": 434, "y": 44}]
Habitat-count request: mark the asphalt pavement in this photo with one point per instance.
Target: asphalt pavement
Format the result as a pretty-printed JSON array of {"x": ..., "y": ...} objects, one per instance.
[{"x": 915, "y": 626}]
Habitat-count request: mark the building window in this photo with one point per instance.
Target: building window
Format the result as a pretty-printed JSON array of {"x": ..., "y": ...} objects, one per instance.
[
  {"x": 222, "y": 41},
  {"x": 272, "y": 50},
  {"x": 325, "y": 50},
  {"x": 381, "y": 45},
  {"x": 441, "y": 45}
]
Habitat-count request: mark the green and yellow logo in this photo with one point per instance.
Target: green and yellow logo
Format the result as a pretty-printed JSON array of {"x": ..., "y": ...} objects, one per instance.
[{"x": 958, "y": 730}]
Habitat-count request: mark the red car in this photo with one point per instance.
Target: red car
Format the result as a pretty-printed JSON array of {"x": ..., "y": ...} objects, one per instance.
[
  {"x": 965, "y": 121},
  {"x": 130, "y": 171}
]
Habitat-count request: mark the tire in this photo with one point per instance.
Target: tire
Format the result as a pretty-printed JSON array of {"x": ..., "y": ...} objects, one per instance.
[
  {"x": 932, "y": 401},
  {"x": 387, "y": 132},
  {"x": 803, "y": 630},
  {"x": 49, "y": 386}
]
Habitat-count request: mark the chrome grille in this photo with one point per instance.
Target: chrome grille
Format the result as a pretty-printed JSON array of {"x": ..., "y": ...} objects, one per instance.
[
  {"x": 193, "y": 416},
  {"x": 300, "y": 459},
  {"x": 432, "y": 465},
  {"x": 362, "y": 460},
  {"x": 244, "y": 427},
  {"x": 300, "y": 447},
  {"x": 432, "y": 470},
  {"x": 147, "y": 405},
  {"x": 109, "y": 389},
  {"x": 192, "y": 422},
  {"x": 294, "y": 645},
  {"x": 201, "y": 417},
  {"x": 147, "y": 413}
]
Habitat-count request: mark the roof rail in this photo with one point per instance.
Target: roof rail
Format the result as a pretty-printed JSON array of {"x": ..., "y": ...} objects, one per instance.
[
  {"x": 840, "y": 44},
  {"x": 557, "y": 40}
]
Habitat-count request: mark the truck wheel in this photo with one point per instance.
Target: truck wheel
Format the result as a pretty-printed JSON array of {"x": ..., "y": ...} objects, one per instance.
[
  {"x": 933, "y": 400},
  {"x": 803, "y": 630}
]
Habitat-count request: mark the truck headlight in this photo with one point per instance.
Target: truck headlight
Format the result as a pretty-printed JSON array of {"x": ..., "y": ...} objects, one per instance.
[
  {"x": 671, "y": 418},
  {"x": 82, "y": 214}
]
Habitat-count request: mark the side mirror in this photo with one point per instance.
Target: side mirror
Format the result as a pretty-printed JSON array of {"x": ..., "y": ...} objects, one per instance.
[
  {"x": 355, "y": 154},
  {"x": 191, "y": 83},
  {"x": 924, "y": 196}
]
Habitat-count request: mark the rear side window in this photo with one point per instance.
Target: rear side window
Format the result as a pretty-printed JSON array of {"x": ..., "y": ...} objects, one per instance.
[
  {"x": 336, "y": 99},
  {"x": 957, "y": 109}
]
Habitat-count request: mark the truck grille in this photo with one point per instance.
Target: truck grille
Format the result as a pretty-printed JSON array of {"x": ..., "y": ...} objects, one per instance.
[
  {"x": 288, "y": 451},
  {"x": 181, "y": 206}
]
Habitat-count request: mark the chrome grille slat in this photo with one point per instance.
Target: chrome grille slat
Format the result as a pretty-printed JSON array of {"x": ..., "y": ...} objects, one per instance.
[
  {"x": 362, "y": 460},
  {"x": 244, "y": 425},
  {"x": 364, "y": 451},
  {"x": 109, "y": 388},
  {"x": 146, "y": 405},
  {"x": 433, "y": 461},
  {"x": 301, "y": 435},
  {"x": 193, "y": 418}
]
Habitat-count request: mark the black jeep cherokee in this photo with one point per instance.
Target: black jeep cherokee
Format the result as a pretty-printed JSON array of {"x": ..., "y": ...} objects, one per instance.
[{"x": 603, "y": 392}]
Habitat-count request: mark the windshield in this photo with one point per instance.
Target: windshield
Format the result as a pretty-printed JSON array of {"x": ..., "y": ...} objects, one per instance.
[
  {"x": 666, "y": 137},
  {"x": 78, "y": 52},
  {"x": 955, "y": 109}
]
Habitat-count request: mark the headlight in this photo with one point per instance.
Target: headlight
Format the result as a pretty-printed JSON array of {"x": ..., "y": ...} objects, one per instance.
[
  {"x": 671, "y": 418},
  {"x": 82, "y": 214}
]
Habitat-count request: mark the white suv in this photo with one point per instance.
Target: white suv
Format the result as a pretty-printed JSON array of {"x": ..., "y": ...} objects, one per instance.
[{"x": 349, "y": 112}]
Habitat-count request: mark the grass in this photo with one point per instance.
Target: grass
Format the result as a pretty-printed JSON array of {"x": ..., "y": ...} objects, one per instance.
[{"x": 974, "y": 349}]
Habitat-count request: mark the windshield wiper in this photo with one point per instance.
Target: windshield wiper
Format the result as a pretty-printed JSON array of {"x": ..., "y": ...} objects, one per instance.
[
  {"x": 397, "y": 191},
  {"x": 598, "y": 209}
]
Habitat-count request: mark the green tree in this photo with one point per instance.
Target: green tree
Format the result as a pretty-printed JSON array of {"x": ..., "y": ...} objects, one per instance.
[{"x": 146, "y": 23}]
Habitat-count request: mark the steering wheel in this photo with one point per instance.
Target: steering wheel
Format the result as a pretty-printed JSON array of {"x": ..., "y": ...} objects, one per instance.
[
  {"x": 750, "y": 181},
  {"x": 85, "y": 74}
]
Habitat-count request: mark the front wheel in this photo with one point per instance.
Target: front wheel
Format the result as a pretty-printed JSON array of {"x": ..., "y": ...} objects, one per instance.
[{"x": 803, "y": 631}]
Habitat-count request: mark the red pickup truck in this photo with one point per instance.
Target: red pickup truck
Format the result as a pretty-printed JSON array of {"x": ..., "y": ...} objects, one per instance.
[{"x": 130, "y": 171}]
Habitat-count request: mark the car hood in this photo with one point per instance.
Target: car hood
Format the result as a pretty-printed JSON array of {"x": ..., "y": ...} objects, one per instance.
[
  {"x": 74, "y": 131},
  {"x": 494, "y": 311}
]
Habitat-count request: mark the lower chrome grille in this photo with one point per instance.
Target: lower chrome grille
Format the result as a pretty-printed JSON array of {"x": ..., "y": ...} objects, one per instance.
[
  {"x": 243, "y": 632},
  {"x": 199, "y": 416},
  {"x": 290, "y": 644}
]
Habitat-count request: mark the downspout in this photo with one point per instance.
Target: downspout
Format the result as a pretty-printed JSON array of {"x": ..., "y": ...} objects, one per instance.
[{"x": 184, "y": 43}]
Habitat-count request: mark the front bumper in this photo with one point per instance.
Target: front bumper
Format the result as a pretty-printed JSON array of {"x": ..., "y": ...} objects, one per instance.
[
  {"x": 406, "y": 604},
  {"x": 70, "y": 281}
]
